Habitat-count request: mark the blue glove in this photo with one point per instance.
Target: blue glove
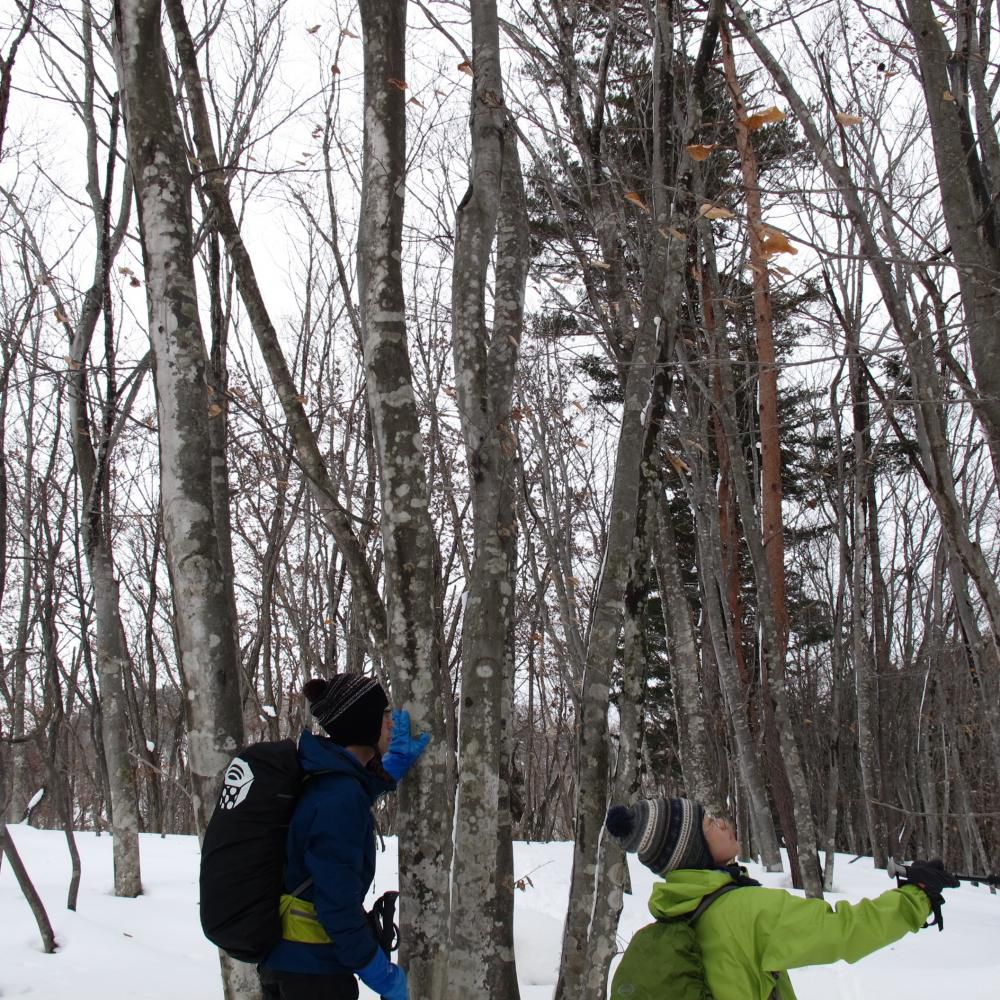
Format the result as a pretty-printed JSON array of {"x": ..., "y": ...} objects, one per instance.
[
  {"x": 404, "y": 748},
  {"x": 384, "y": 978}
]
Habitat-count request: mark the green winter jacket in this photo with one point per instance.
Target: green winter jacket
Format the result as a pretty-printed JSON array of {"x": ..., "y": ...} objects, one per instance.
[{"x": 748, "y": 935}]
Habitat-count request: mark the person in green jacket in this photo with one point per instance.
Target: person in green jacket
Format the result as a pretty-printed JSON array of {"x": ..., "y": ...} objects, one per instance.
[{"x": 750, "y": 938}]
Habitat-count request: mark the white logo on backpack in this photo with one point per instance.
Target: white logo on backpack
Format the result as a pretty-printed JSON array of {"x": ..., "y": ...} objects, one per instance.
[{"x": 237, "y": 784}]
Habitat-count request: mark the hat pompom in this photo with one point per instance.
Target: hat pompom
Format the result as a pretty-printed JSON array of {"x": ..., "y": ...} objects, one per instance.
[
  {"x": 620, "y": 822},
  {"x": 315, "y": 689}
]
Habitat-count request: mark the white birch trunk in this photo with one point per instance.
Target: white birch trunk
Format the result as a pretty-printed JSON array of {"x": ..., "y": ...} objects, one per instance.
[
  {"x": 481, "y": 961},
  {"x": 209, "y": 660},
  {"x": 408, "y": 540},
  {"x": 364, "y": 593}
]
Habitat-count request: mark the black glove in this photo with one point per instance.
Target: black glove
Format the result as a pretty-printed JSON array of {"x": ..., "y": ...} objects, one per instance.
[{"x": 932, "y": 877}]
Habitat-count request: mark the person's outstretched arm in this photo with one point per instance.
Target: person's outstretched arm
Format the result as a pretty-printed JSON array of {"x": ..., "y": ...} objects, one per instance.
[{"x": 812, "y": 932}]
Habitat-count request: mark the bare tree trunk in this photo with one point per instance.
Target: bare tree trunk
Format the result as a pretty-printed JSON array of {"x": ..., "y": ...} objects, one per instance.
[
  {"x": 865, "y": 547},
  {"x": 791, "y": 761},
  {"x": 408, "y": 541},
  {"x": 9, "y": 850},
  {"x": 770, "y": 490},
  {"x": 626, "y": 775},
  {"x": 595, "y": 885},
  {"x": 19, "y": 793},
  {"x": 772, "y": 528},
  {"x": 697, "y": 760},
  {"x": 484, "y": 373},
  {"x": 7, "y": 66},
  {"x": 58, "y": 779},
  {"x": 583, "y": 970},
  {"x": 504, "y": 974},
  {"x": 968, "y": 192},
  {"x": 840, "y": 500},
  {"x": 209, "y": 661},
  {"x": 802, "y": 819},
  {"x": 725, "y": 634},
  {"x": 92, "y": 450},
  {"x": 364, "y": 592}
]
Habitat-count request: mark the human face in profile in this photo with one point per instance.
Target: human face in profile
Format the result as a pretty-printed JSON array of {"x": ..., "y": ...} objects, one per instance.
[
  {"x": 386, "y": 735},
  {"x": 720, "y": 835}
]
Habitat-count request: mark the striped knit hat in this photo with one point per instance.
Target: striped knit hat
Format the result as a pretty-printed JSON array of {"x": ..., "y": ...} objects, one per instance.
[
  {"x": 349, "y": 707},
  {"x": 666, "y": 833}
]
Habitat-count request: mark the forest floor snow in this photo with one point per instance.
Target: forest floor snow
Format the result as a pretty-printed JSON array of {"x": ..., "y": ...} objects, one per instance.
[{"x": 151, "y": 948}]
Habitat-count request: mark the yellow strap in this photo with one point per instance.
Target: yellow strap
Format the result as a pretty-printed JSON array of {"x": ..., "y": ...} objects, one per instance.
[{"x": 299, "y": 921}]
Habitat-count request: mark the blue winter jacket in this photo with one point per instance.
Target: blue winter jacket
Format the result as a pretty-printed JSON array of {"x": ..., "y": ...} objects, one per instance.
[{"x": 332, "y": 839}]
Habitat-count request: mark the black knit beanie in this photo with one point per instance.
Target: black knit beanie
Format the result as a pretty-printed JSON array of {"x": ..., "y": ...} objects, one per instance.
[
  {"x": 349, "y": 707},
  {"x": 666, "y": 833}
]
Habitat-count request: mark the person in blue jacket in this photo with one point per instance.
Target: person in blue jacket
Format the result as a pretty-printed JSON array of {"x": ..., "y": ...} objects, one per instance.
[{"x": 326, "y": 938}]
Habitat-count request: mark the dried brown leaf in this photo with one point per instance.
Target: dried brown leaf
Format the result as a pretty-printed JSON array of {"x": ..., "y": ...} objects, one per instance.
[
  {"x": 710, "y": 211},
  {"x": 699, "y": 152},
  {"x": 775, "y": 242},
  {"x": 766, "y": 117},
  {"x": 636, "y": 199}
]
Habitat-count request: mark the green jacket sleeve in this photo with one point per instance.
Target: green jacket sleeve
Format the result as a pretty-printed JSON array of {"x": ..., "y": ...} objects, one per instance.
[{"x": 812, "y": 932}]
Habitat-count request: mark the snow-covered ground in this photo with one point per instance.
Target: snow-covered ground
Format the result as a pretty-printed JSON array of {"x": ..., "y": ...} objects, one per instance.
[{"x": 151, "y": 948}]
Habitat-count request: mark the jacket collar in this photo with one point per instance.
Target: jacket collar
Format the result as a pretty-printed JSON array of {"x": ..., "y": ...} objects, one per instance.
[
  {"x": 682, "y": 890},
  {"x": 320, "y": 755}
]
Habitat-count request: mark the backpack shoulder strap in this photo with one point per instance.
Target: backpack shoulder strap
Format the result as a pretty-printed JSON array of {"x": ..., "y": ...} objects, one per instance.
[
  {"x": 301, "y": 888},
  {"x": 708, "y": 900}
]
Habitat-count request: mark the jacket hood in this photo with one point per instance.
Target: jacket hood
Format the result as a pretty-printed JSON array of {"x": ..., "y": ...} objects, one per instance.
[
  {"x": 320, "y": 754},
  {"x": 682, "y": 890}
]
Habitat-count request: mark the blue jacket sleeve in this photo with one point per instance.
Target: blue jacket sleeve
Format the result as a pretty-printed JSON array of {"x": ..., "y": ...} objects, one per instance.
[{"x": 334, "y": 856}]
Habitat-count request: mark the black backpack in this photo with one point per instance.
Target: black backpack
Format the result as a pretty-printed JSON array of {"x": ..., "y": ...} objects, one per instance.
[{"x": 243, "y": 853}]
